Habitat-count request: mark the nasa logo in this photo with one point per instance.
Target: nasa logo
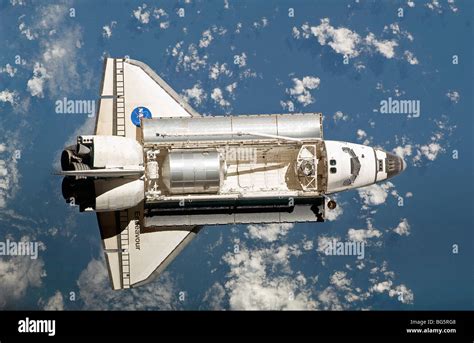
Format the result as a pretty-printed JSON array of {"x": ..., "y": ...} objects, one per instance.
[{"x": 140, "y": 112}]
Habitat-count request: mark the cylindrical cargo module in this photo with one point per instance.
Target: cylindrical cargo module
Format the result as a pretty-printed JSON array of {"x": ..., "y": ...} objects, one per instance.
[
  {"x": 190, "y": 171},
  {"x": 240, "y": 127}
]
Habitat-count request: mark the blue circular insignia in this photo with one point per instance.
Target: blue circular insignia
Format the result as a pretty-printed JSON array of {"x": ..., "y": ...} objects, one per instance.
[{"x": 140, "y": 112}]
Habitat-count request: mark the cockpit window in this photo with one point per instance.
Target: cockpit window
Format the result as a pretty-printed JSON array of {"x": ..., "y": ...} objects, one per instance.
[{"x": 355, "y": 166}]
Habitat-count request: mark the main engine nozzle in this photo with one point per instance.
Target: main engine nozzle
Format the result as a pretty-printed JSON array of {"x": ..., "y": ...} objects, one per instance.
[{"x": 75, "y": 157}]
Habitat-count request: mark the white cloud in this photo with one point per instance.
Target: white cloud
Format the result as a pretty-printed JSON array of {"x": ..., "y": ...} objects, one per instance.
[
  {"x": 341, "y": 40},
  {"x": 358, "y": 282},
  {"x": 26, "y": 30},
  {"x": 189, "y": 59},
  {"x": 301, "y": 89},
  {"x": 18, "y": 274},
  {"x": 238, "y": 27},
  {"x": 434, "y": 5},
  {"x": 383, "y": 286},
  {"x": 340, "y": 116},
  {"x": 403, "y": 293},
  {"x": 308, "y": 245},
  {"x": 247, "y": 73},
  {"x": 55, "y": 303},
  {"x": 231, "y": 87},
  {"x": 60, "y": 59},
  {"x": 206, "y": 39},
  {"x": 107, "y": 29},
  {"x": 48, "y": 20},
  {"x": 295, "y": 32},
  {"x": 329, "y": 300},
  {"x": 219, "y": 30},
  {"x": 363, "y": 235},
  {"x": 9, "y": 69},
  {"x": 96, "y": 293},
  {"x": 214, "y": 297},
  {"x": 195, "y": 94},
  {"x": 429, "y": 151},
  {"x": 359, "y": 66},
  {"x": 18, "y": 2},
  {"x": 340, "y": 280},
  {"x": 9, "y": 96},
  {"x": 57, "y": 61},
  {"x": 324, "y": 241},
  {"x": 437, "y": 7},
  {"x": 36, "y": 83},
  {"x": 269, "y": 232},
  {"x": 349, "y": 43},
  {"x": 218, "y": 98},
  {"x": 403, "y": 151},
  {"x": 52, "y": 16},
  {"x": 395, "y": 30},
  {"x": 398, "y": 92},
  {"x": 261, "y": 23},
  {"x": 452, "y": 7},
  {"x": 251, "y": 285},
  {"x": 160, "y": 13},
  {"x": 53, "y": 52},
  {"x": 410, "y": 57},
  {"x": 142, "y": 14},
  {"x": 385, "y": 47},
  {"x": 9, "y": 175},
  {"x": 453, "y": 96},
  {"x": 361, "y": 134},
  {"x": 216, "y": 70},
  {"x": 403, "y": 229},
  {"x": 375, "y": 194},
  {"x": 288, "y": 105}
]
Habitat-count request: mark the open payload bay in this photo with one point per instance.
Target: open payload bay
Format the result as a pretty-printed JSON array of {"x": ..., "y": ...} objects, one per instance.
[{"x": 218, "y": 167}]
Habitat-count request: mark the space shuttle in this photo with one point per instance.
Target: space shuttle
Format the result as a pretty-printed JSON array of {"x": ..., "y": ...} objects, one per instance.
[{"x": 156, "y": 171}]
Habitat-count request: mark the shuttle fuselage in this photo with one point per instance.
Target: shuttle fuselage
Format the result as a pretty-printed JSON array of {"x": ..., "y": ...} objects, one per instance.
[{"x": 213, "y": 170}]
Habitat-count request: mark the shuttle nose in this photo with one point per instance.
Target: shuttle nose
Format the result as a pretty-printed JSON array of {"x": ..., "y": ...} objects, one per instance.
[
  {"x": 395, "y": 165},
  {"x": 404, "y": 164}
]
